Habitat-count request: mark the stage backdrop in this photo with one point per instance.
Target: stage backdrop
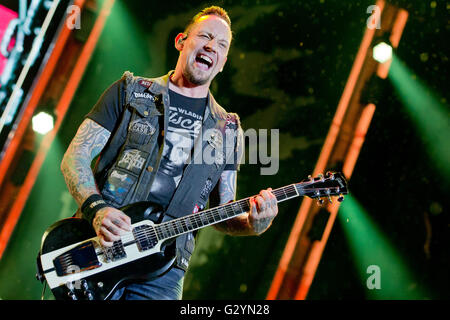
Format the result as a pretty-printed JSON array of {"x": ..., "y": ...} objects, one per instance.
[{"x": 286, "y": 70}]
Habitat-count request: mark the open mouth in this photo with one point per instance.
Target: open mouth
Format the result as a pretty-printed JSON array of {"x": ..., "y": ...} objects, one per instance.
[{"x": 203, "y": 61}]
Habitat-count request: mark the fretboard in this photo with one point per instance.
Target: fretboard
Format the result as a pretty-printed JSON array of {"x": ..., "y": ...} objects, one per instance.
[{"x": 215, "y": 215}]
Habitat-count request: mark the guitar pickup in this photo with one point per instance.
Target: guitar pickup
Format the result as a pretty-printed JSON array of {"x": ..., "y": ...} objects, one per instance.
[{"x": 80, "y": 258}]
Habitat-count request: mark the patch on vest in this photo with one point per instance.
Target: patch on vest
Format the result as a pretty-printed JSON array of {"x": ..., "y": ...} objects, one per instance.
[
  {"x": 145, "y": 83},
  {"x": 216, "y": 139},
  {"x": 118, "y": 185},
  {"x": 197, "y": 208},
  {"x": 206, "y": 190},
  {"x": 141, "y": 126},
  {"x": 144, "y": 95},
  {"x": 132, "y": 160},
  {"x": 219, "y": 158}
]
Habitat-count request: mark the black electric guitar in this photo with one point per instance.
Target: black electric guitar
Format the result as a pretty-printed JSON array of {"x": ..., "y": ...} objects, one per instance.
[{"x": 76, "y": 266}]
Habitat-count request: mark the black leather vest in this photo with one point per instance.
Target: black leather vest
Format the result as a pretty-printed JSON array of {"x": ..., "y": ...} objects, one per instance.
[{"x": 129, "y": 162}]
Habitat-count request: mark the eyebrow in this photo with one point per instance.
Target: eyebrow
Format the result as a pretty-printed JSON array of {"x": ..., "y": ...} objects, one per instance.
[{"x": 212, "y": 36}]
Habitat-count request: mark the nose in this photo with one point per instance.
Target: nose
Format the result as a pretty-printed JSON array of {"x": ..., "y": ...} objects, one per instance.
[{"x": 211, "y": 45}]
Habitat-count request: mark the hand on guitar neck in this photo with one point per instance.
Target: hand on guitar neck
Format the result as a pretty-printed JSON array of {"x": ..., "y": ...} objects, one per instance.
[{"x": 263, "y": 209}]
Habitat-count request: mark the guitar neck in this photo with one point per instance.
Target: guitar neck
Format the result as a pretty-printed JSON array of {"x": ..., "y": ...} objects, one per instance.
[{"x": 195, "y": 221}]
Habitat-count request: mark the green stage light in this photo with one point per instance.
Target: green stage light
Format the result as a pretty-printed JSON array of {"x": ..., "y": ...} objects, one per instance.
[
  {"x": 382, "y": 52},
  {"x": 42, "y": 122},
  {"x": 383, "y": 272},
  {"x": 428, "y": 112}
]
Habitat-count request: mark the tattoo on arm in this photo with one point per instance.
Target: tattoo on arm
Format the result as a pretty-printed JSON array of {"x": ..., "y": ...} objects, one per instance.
[
  {"x": 227, "y": 192},
  {"x": 89, "y": 140},
  {"x": 227, "y": 186}
]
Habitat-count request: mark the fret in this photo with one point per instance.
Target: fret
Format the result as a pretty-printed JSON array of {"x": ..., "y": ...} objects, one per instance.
[
  {"x": 194, "y": 220},
  {"x": 235, "y": 207},
  {"x": 222, "y": 213},
  {"x": 171, "y": 230},
  {"x": 211, "y": 216},
  {"x": 240, "y": 206},
  {"x": 292, "y": 191},
  {"x": 245, "y": 205},
  {"x": 202, "y": 219},
  {"x": 158, "y": 232},
  {"x": 281, "y": 196},
  {"x": 214, "y": 216},
  {"x": 183, "y": 223},
  {"x": 160, "y": 229},
  {"x": 179, "y": 226},
  {"x": 188, "y": 223},
  {"x": 288, "y": 192}
]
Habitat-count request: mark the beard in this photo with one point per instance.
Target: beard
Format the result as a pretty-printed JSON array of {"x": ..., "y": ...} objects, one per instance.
[{"x": 196, "y": 77}]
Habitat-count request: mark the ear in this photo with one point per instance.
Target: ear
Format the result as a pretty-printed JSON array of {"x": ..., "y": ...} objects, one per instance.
[{"x": 179, "y": 41}]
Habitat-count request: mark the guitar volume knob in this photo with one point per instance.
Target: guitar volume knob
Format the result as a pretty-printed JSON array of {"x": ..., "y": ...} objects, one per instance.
[
  {"x": 72, "y": 295},
  {"x": 88, "y": 294},
  {"x": 84, "y": 284}
]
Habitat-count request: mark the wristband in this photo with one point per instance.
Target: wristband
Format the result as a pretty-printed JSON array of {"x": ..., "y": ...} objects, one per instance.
[{"x": 91, "y": 205}]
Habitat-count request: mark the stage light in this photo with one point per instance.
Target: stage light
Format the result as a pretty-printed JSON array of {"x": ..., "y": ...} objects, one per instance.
[
  {"x": 427, "y": 111},
  {"x": 42, "y": 122},
  {"x": 382, "y": 52},
  {"x": 383, "y": 271}
]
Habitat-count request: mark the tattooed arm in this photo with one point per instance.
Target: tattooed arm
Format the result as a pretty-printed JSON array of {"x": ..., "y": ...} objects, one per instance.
[
  {"x": 89, "y": 140},
  {"x": 76, "y": 165},
  {"x": 263, "y": 208}
]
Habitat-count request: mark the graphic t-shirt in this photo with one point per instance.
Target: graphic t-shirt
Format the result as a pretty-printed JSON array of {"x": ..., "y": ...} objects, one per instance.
[{"x": 185, "y": 121}]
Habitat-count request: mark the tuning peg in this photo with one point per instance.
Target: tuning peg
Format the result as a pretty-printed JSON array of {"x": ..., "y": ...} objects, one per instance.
[
  {"x": 341, "y": 198},
  {"x": 329, "y": 199},
  {"x": 310, "y": 177},
  {"x": 320, "y": 201},
  {"x": 330, "y": 175}
]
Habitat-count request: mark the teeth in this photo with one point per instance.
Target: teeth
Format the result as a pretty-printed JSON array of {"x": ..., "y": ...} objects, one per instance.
[{"x": 206, "y": 58}]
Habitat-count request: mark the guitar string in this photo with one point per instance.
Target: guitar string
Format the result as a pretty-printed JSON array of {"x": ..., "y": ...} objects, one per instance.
[
  {"x": 197, "y": 220},
  {"x": 153, "y": 233},
  {"x": 209, "y": 217}
]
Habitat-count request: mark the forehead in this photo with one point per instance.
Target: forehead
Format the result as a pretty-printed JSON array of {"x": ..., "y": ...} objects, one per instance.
[{"x": 214, "y": 25}]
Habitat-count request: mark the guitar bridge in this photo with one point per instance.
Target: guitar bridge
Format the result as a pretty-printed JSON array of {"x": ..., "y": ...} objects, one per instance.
[
  {"x": 80, "y": 258},
  {"x": 114, "y": 253}
]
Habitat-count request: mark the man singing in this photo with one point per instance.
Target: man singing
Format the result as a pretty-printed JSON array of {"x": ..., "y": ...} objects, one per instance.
[{"x": 146, "y": 131}]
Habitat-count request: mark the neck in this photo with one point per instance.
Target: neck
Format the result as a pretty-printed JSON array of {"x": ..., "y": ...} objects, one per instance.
[{"x": 181, "y": 85}]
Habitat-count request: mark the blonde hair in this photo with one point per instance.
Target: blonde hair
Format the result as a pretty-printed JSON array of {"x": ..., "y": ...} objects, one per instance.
[{"x": 213, "y": 10}]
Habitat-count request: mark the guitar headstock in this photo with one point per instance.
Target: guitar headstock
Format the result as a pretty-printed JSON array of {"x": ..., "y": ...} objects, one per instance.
[{"x": 330, "y": 184}]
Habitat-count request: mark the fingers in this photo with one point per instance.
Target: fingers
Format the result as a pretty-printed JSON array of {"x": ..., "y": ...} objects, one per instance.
[
  {"x": 263, "y": 209},
  {"x": 110, "y": 224},
  {"x": 107, "y": 238},
  {"x": 127, "y": 220},
  {"x": 120, "y": 222},
  {"x": 266, "y": 200}
]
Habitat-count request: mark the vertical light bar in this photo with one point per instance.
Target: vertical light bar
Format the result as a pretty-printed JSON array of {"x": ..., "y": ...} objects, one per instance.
[
  {"x": 61, "y": 110},
  {"x": 323, "y": 158},
  {"x": 348, "y": 166},
  {"x": 396, "y": 33}
]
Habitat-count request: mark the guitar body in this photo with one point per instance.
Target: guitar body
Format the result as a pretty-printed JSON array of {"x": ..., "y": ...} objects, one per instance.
[
  {"x": 87, "y": 274},
  {"x": 76, "y": 266}
]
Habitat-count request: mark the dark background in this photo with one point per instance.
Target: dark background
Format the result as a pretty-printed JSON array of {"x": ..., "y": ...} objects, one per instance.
[{"x": 286, "y": 69}]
